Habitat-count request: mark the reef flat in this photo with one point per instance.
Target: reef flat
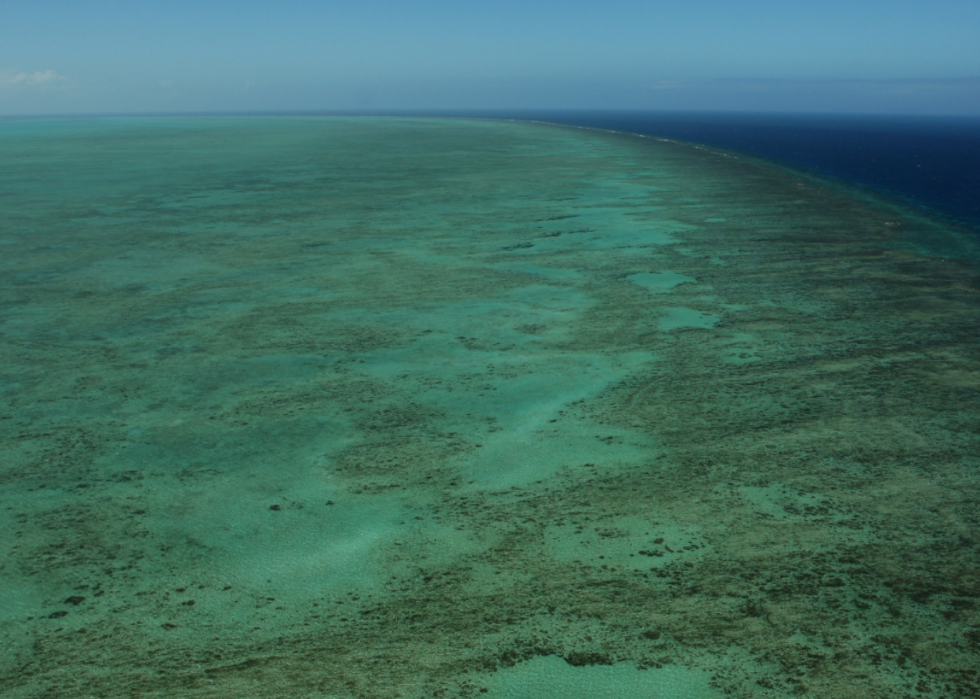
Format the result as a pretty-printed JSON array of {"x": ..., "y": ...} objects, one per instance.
[{"x": 370, "y": 408}]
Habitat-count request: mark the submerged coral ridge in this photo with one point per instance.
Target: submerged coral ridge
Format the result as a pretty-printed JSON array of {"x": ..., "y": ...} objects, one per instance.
[{"x": 372, "y": 408}]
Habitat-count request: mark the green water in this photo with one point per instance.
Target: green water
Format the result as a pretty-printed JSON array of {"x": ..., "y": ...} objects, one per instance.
[{"x": 371, "y": 408}]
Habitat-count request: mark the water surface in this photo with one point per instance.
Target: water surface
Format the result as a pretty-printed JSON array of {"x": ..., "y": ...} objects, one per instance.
[{"x": 402, "y": 407}]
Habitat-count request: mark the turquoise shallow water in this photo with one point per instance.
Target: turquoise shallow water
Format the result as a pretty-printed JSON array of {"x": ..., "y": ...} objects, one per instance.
[{"x": 404, "y": 407}]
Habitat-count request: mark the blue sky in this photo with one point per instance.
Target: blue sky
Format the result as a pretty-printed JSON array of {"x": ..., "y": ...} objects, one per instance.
[{"x": 911, "y": 56}]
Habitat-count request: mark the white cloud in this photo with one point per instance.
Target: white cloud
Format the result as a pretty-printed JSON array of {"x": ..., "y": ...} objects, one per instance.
[{"x": 39, "y": 78}]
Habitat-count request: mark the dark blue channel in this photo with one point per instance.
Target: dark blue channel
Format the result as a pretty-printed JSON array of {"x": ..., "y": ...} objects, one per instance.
[{"x": 932, "y": 163}]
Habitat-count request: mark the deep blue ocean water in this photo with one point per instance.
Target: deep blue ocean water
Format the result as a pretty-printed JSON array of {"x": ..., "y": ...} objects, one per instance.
[{"x": 932, "y": 163}]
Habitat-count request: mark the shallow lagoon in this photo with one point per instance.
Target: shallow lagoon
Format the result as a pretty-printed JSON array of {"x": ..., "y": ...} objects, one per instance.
[{"x": 402, "y": 407}]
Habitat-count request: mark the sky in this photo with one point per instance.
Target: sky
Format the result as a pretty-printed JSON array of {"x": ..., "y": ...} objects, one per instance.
[{"x": 858, "y": 56}]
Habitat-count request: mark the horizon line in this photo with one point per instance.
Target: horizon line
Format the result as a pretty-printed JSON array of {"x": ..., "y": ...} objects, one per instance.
[{"x": 476, "y": 113}]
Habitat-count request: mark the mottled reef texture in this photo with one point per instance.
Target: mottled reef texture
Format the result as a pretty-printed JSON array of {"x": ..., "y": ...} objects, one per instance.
[{"x": 378, "y": 408}]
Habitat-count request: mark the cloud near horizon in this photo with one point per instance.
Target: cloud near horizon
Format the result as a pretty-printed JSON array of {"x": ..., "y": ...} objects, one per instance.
[
  {"x": 900, "y": 96},
  {"x": 11, "y": 78}
]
